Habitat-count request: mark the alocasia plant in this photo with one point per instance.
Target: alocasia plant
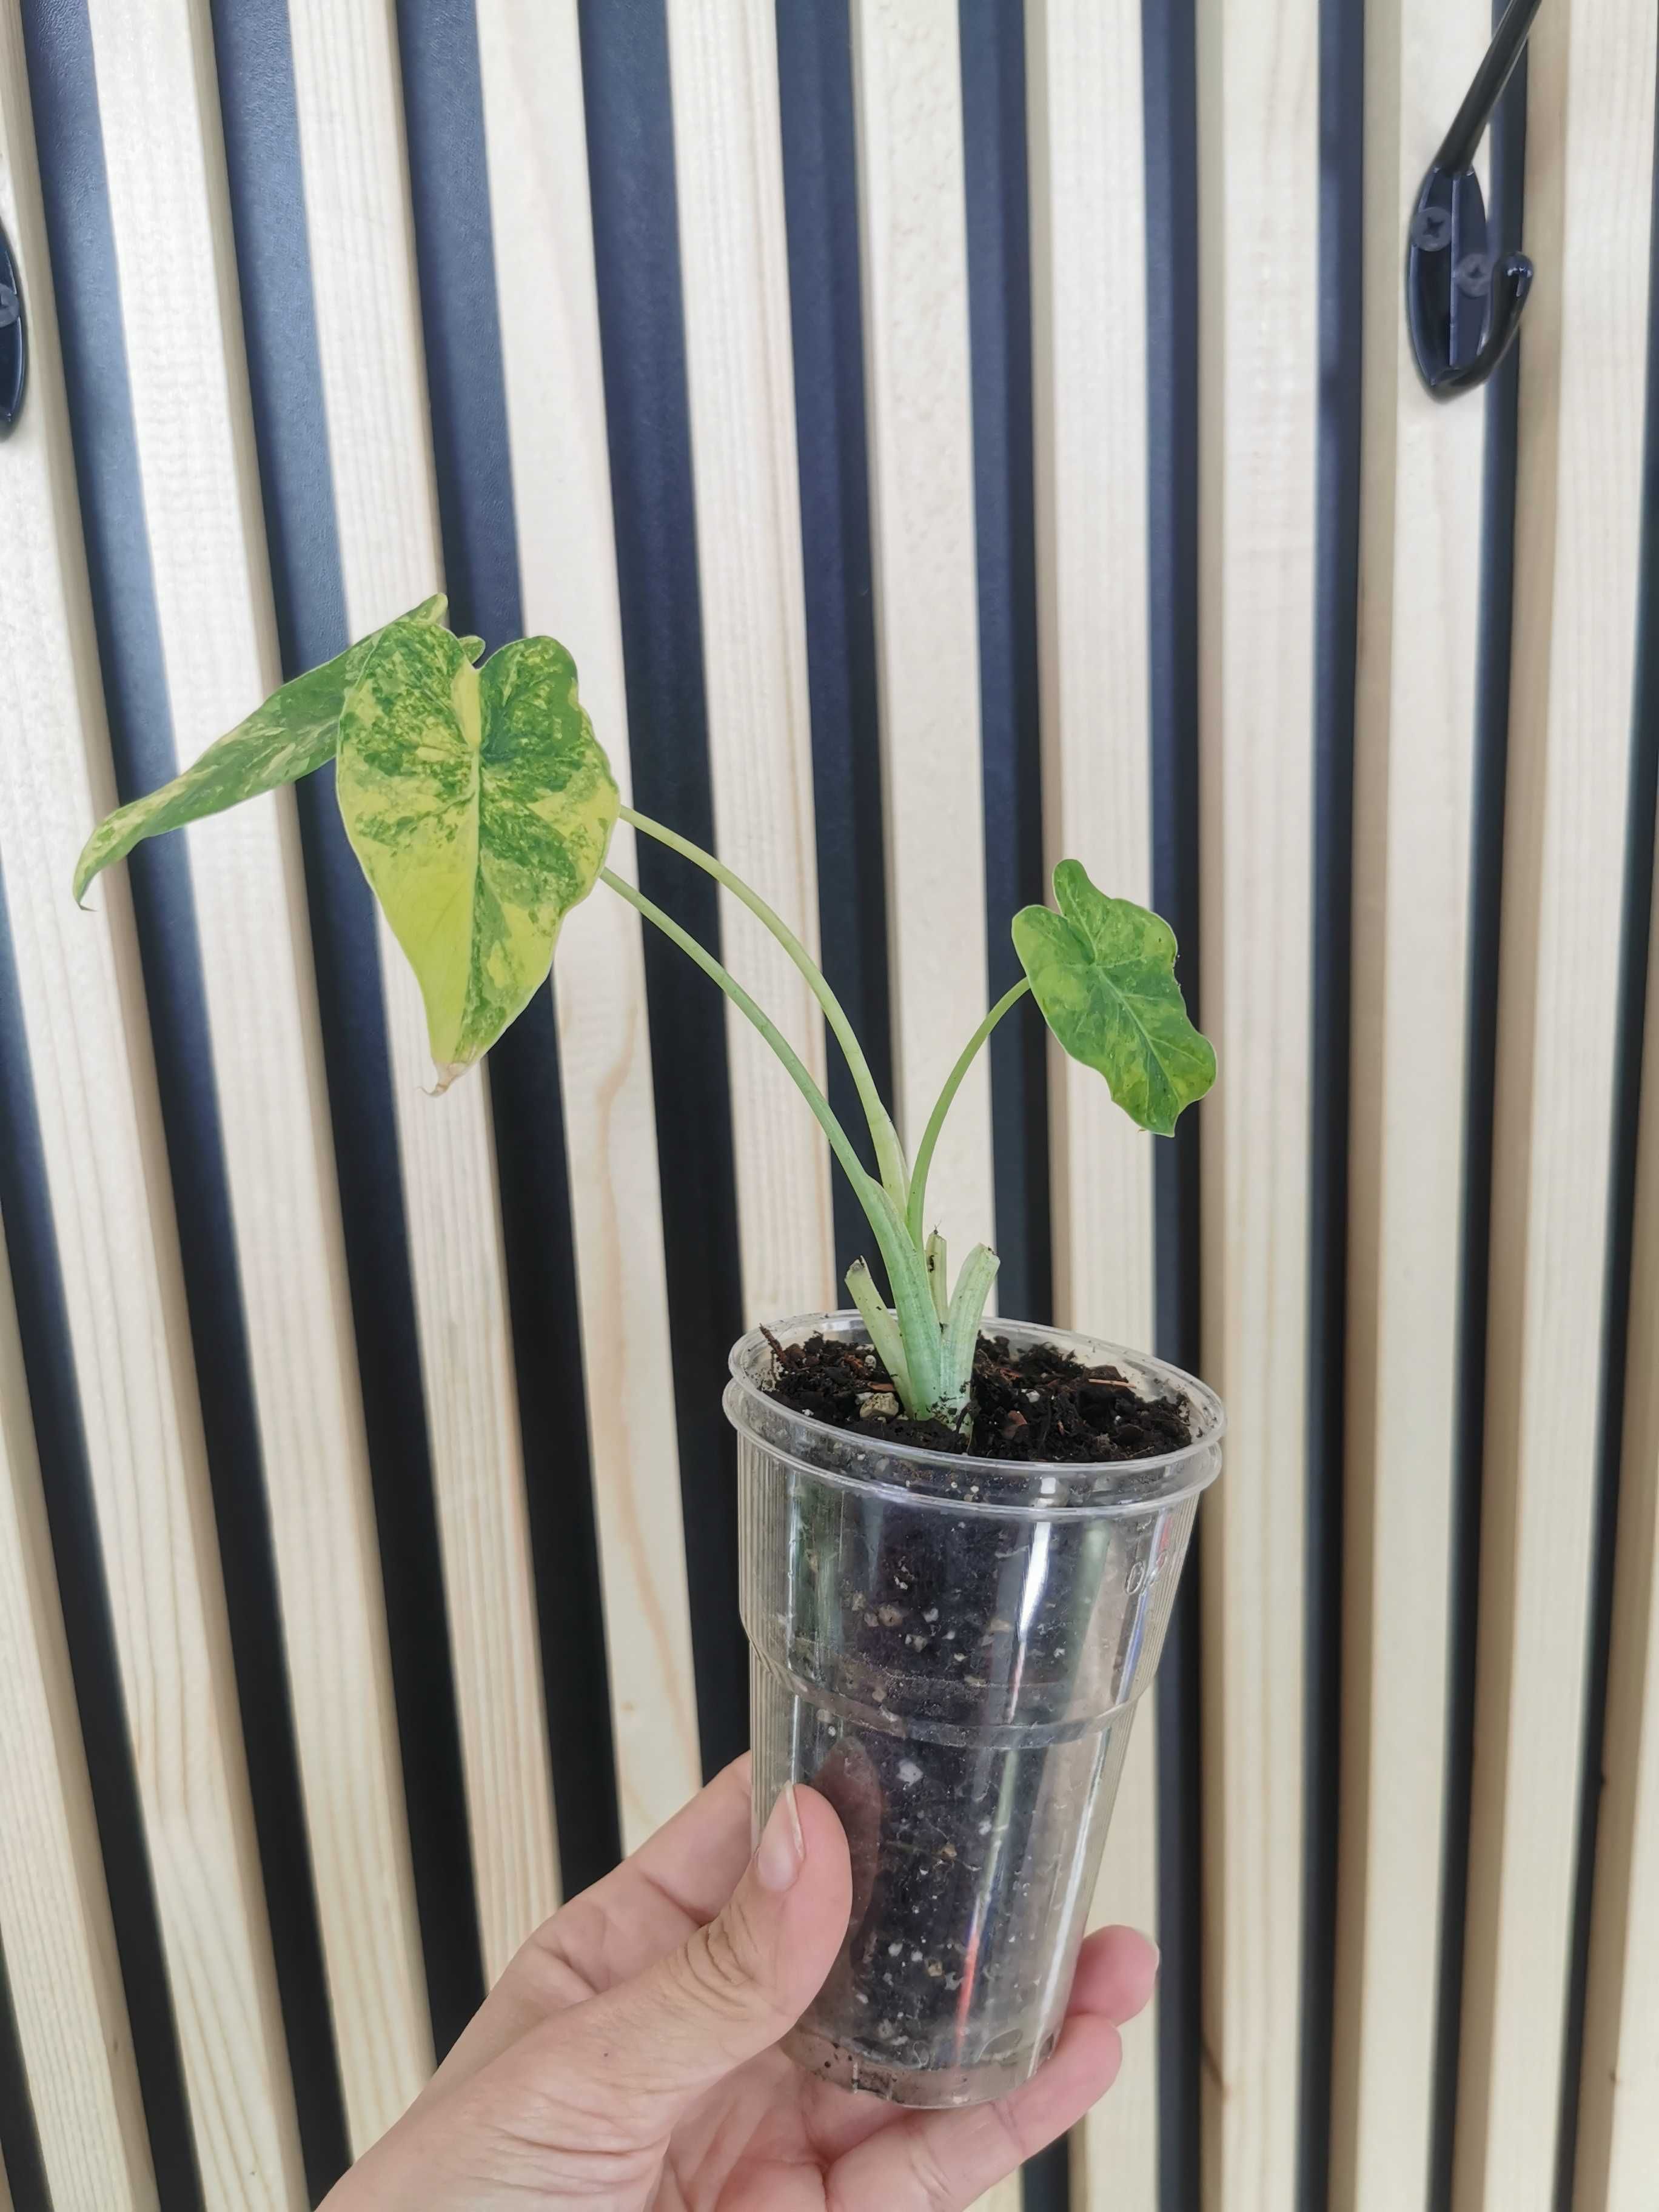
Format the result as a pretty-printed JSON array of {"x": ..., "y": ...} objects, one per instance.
[{"x": 481, "y": 806}]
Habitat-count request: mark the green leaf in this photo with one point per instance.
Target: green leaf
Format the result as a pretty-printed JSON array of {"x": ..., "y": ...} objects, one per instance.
[
  {"x": 480, "y": 805},
  {"x": 295, "y": 731},
  {"x": 1103, "y": 971}
]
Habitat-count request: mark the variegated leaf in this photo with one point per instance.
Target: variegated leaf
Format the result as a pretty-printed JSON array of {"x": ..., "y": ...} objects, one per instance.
[
  {"x": 1103, "y": 971},
  {"x": 480, "y": 806},
  {"x": 295, "y": 731}
]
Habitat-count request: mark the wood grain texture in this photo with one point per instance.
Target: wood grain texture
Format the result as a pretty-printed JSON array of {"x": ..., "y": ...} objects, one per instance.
[
  {"x": 206, "y": 543},
  {"x": 1618, "y": 2154},
  {"x": 94, "y": 1085},
  {"x": 351, "y": 132},
  {"x": 531, "y": 57},
  {"x": 908, "y": 73},
  {"x": 55, "y": 1927},
  {"x": 1589, "y": 185},
  {"x": 1414, "y": 741},
  {"x": 1088, "y": 341},
  {"x": 734, "y": 272},
  {"x": 1258, "y": 121},
  {"x": 1007, "y": 2196}
]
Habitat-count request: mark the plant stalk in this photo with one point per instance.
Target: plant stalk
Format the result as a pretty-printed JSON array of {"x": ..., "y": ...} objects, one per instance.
[
  {"x": 907, "y": 1269},
  {"x": 889, "y": 1156},
  {"x": 916, "y": 1211}
]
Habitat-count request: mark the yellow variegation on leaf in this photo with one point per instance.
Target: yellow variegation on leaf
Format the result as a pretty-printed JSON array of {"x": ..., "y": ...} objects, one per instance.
[
  {"x": 295, "y": 731},
  {"x": 480, "y": 806}
]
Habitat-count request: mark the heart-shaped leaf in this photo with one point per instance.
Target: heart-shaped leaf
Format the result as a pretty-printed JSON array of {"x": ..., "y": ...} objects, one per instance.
[
  {"x": 295, "y": 731},
  {"x": 1103, "y": 971},
  {"x": 480, "y": 805}
]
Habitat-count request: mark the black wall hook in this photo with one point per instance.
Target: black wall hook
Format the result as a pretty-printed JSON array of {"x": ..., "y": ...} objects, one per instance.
[
  {"x": 13, "y": 341},
  {"x": 1463, "y": 302}
]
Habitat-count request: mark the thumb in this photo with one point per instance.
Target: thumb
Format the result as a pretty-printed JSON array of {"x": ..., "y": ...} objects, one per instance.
[{"x": 730, "y": 1990}]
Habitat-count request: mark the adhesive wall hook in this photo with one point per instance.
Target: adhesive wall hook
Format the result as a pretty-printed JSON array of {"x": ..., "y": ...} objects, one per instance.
[
  {"x": 1463, "y": 302},
  {"x": 13, "y": 341}
]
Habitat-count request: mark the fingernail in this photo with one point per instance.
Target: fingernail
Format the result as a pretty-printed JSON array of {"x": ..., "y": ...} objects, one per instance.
[{"x": 782, "y": 1851}]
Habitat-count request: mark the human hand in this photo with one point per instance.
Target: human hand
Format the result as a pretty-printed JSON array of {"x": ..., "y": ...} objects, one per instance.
[{"x": 625, "y": 2059}]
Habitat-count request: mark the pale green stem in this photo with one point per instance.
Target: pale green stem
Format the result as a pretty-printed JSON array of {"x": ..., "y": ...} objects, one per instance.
[
  {"x": 889, "y": 1156},
  {"x": 915, "y": 1221},
  {"x": 905, "y": 1267},
  {"x": 973, "y": 1288},
  {"x": 885, "y": 1332},
  {"x": 938, "y": 1277}
]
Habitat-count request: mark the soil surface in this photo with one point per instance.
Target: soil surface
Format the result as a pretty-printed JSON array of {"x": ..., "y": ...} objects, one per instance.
[
  {"x": 1039, "y": 1403},
  {"x": 964, "y": 1844}
]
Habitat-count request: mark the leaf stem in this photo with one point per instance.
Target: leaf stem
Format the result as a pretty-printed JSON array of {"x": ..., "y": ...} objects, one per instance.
[
  {"x": 889, "y": 1156},
  {"x": 907, "y": 1269},
  {"x": 918, "y": 1201}
]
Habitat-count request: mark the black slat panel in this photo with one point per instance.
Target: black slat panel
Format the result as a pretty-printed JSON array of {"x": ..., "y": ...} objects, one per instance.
[
  {"x": 21, "y": 2165},
  {"x": 1169, "y": 68},
  {"x": 1341, "y": 331},
  {"x": 443, "y": 101},
  {"x": 820, "y": 179},
  {"x": 256, "y": 85},
  {"x": 630, "y": 139},
  {"x": 999, "y": 327},
  {"x": 1506, "y": 152},
  {"x": 142, "y": 743}
]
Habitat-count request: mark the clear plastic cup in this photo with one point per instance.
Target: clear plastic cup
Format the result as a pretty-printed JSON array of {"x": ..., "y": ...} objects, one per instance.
[{"x": 950, "y": 1649}]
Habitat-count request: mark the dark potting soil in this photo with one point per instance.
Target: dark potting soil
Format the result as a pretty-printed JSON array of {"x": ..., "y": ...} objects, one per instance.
[
  {"x": 963, "y": 1843},
  {"x": 1039, "y": 1403}
]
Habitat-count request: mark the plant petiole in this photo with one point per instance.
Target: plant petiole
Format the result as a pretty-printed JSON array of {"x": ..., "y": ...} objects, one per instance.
[
  {"x": 889, "y": 1156},
  {"x": 916, "y": 1210}
]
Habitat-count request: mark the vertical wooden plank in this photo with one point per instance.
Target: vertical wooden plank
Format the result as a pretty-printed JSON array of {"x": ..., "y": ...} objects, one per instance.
[
  {"x": 734, "y": 273},
  {"x": 1619, "y": 2093},
  {"x": 348, "y": 91},
  {"x": 530, "y": 59},
  {"x": 1008, "y": 2196},
  {"x": 1089, "y": 303},
  {"x": 54, "y": 1909},
  {"x": 1259, "y": 115},
  {"x": 1589, "y": 185},
  {"x": 908, "y": 68},
  {"x": 106, "y": 1163},
  {"x": 1415, "y": 729},
  {"x": 193, "y": 432}
]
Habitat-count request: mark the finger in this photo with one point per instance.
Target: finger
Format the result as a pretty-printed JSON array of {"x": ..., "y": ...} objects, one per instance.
[
  {"x": 728, "y": 1993},
  {"x": 675, "y": 1883},
  {"x": 942, "y": 2161},
  {"x": 1116, "y": 1973}
]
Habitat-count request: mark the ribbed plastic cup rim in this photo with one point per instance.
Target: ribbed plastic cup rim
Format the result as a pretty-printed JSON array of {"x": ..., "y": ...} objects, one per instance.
[{"x": 744, "y": 1395}]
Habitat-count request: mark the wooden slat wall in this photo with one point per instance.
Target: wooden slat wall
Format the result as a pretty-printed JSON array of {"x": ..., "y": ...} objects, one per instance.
[
  {"x": 218, "y": 644},
  {"x": 363, "y": 254},
  {"x": 1589, "y": 195},
  {"x": 1088, "y": 168},
  {"x": 530, "y": 54},
  {"x": 55, "y": 1926},
  {"x": 1453, "y": 2032},
  {"x": 908, "y": 72},
  {"x": 91, "y": 1062},
  {"x": 1259, "y": 146},
  {"x": 729, "y": 158},
  {"x": 1415, "y": 744}
]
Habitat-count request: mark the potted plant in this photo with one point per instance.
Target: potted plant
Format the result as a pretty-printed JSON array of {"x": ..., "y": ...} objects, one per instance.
[{"x": 958, "y": 1551}]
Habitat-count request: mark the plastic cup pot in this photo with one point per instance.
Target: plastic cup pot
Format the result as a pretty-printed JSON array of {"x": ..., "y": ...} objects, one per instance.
[{"x": 951, "y": 1650}]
